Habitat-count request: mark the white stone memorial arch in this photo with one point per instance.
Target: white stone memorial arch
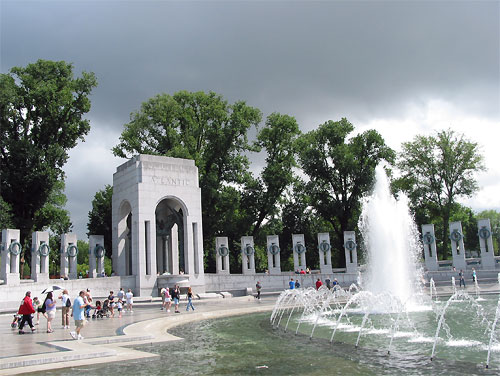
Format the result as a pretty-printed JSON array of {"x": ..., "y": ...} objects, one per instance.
[{"x": 157, "y": 223}]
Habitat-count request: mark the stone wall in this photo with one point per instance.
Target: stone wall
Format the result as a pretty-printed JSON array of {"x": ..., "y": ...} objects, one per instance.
[
  {"x": 217, "y": 282},
  {"x": 11, "y": 296}
]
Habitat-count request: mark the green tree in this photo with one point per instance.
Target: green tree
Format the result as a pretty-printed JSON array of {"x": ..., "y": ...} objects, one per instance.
[
  {"x": 340, "y": 170},
  {"x": 278, "y": 140},
  {"x": 5, "y": 215},
  {"x": 41, "y": 118},
  {"x": 100, "y": 217},
  {"x": 52, "y": 215},
  {"x": 203, "y": 127},
  {"x": 436, "y": 171},
  {"x": 82, "y": 258}
]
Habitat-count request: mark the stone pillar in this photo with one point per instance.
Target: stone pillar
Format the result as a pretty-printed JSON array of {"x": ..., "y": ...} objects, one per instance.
[
  {"x": 247, "y": 255},
  {"x": 174, "y": 246},
  {"x": 299, "y": 252},
  {"x": 325, "y": 253},
  {"x": 457, "y": 245},
  {"x": 222, "y": 255},
  {"x": 11, "y": 253},
  {"x": 96, "y": 255},
  {"x": 430, "y": 250},
  {"x": 273, "y": 254},
  {"x": 351, "y": 255},
  {"x": 69, "y": 251},
  {"x": 40, "y": 251},
  {"x": 486, "y": 244}
]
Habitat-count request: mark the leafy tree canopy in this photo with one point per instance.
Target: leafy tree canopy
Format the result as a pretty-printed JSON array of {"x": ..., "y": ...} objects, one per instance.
[
  {"x": 438, "y": 170},
  {"x": 41, "y": 118},
  {"x": 199, "y": 126},
  {"x": 340, "y": 170},
  {"x": 100, "y": 217}
]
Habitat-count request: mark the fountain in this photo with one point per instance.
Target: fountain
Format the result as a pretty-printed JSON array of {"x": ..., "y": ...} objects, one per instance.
[
  {"x": 432, "y": 289},
  {"x": 392, "y": 250},
  {"x": 388, "y": 309}
]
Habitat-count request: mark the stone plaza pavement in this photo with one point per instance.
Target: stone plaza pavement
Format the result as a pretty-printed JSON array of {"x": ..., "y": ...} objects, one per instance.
[
  {"x": 112, "y": 339},
  {"x": 109, "y": 339}
]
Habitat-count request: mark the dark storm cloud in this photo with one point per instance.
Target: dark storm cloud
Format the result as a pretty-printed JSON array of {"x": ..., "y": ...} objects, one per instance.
[
  {"x": 313, "y": 60},
  {"x": 358, "y": 58}
]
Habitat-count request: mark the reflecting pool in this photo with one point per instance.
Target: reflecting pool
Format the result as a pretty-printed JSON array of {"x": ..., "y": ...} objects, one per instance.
[{"x": 248, "y": 345}]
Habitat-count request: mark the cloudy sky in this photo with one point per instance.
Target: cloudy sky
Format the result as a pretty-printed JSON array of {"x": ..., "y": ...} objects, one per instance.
[{"x": 401, "y": 67}]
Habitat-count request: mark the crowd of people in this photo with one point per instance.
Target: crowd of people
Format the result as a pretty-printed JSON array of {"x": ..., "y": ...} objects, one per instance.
[
  {"x": 79, "y": 308},
  {"x": 295, "y": 283},
  {"x": 83, "y": 307},
  {"x": 173, "y": 296}
]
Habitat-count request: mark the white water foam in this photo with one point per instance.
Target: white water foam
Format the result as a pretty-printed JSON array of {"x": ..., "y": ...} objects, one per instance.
[{"x": 392, "y": 242}]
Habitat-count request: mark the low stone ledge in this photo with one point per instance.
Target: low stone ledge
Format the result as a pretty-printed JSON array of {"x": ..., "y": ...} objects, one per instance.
[
  {"x": 7, "y": 363},
  {"x": 119, "y": 339},
  {"x": 209, "y": 295},
  {"x": 226, "y": 294}
]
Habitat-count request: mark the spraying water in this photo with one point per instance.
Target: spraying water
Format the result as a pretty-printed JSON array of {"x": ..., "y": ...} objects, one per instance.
[{"x": 391, "y": 240}]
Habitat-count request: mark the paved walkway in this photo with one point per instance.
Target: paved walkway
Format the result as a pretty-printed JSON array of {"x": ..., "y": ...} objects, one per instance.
[{"x": 105, "y": 338}]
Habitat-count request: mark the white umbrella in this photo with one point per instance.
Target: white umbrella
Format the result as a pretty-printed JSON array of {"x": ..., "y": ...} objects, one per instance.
[{"x": 51, "y": 289}]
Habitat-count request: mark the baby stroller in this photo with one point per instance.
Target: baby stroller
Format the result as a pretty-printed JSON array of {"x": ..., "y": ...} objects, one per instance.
[{"x": 101, "y": 311}]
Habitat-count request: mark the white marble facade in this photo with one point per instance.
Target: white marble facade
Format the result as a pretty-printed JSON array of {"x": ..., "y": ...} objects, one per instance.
[{"x": 157, "y": 222}]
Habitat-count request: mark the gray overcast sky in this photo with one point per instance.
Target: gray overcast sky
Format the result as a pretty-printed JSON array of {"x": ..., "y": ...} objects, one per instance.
[{"x": 403, "y": 68}]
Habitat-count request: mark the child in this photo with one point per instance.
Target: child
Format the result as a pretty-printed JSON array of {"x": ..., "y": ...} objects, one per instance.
[
  {"x": 119, "y": 307},
  {"x": 15, "y": 321},
  {"x": 168, "y": 300},
  {"x": 97, "y": 309},
  {"x": 37, "y": 305}
]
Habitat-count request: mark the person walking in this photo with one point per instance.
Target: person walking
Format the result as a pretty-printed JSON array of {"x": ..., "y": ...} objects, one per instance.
[
  {"x": 318, "y": 284},
  {"x": 462, "y": 277},
  {"x": 190, "y": 299},
  {"x": 50, "y": 309},
  {"x": 176, "y": 295},
  {"x": 65, "y": 308},
  {"x": 162, "y": 294},
  {"x": 291, "y": 284},
  {"x": 78, "y": 314},
  {"x": 111, "y": 300},
  {"x": 26, "y": 309},
  {"x": 258, "y": 287},
  {"x": 130, "y": 300}
]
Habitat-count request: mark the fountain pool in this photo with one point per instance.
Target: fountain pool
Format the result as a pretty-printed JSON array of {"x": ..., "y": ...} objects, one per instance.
[
  {"x": 247, "y": 345},
  {"x": 390, "y": 313}
]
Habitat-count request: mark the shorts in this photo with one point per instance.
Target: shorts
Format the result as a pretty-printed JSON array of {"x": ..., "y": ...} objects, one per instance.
[
  {"x": 79, "y": 323},
  {"x": 176, "y": 300},
  {"x": 119, "y": 309},
  {"x": 51, "y": 314},
  {"x": 168, "y": 299}
]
